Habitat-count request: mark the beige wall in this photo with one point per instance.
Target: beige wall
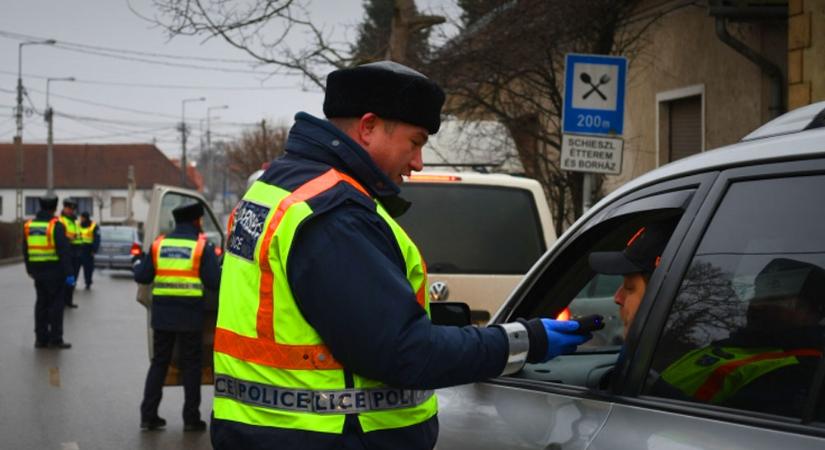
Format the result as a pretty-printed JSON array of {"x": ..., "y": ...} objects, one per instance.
[
  {"x": 682, "y": 51},
  {"x": 806, "y": 52}
]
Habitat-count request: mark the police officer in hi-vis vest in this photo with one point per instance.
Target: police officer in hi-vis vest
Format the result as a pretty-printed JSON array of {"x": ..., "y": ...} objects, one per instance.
[
  {"x": 68, "y": 217},
  {"x": 324, "y": 339},
  {"x": 90, "y": 237},
  {"x": 181, "y": 264},
  {"x": 48, "y": 262}
]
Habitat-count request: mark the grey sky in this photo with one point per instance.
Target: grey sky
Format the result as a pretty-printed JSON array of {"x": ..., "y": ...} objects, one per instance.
[{"x": 109, "y": 102}]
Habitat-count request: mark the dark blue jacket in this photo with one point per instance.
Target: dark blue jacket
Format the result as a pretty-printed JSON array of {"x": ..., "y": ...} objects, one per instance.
[
  {"x": 173, "y": 313},
  {"x": 349, "y": 279},
  {"x": 51, "y": 270}
]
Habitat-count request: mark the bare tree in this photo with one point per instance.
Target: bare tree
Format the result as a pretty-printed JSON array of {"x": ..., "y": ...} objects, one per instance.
[
  {"x": 508, "y": 66},
  {"x": 263, "y": 30},
  {"x": 252, "y": 150}
]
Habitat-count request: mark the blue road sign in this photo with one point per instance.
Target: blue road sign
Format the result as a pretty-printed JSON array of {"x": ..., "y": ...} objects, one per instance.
[{"x": 594, "y": 88}]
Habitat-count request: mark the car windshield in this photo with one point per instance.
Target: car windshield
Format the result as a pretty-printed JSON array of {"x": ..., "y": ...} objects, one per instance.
[
  {"x": 473, "y": 229},
  {"x": 117, "y": 234}
]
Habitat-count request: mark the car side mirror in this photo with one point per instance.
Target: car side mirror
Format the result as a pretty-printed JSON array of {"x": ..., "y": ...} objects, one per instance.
[{"x": 450, "y": 313}]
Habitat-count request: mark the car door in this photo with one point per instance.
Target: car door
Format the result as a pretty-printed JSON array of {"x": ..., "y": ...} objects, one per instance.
[
  {"x": 564, "y": 403},
  {"x": 159, "y": 221},
  {"x": 750, "y": 277}
]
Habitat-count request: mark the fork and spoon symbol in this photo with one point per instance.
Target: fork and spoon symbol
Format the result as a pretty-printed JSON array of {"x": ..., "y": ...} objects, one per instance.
[{"x": 604, "y": 79}]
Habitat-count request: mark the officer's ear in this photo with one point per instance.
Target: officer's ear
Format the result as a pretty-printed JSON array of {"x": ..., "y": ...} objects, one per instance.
[{"x": 367, "y": 127}]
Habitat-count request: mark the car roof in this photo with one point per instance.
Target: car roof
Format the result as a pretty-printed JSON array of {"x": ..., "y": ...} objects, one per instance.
[{"x": 798, "y": 145}]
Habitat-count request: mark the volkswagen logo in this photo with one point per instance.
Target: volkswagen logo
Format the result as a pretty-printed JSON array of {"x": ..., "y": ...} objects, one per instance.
[{"x": 439, "y": 291}]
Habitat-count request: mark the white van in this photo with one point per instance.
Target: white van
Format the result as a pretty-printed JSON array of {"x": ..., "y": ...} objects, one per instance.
[{"x": 478, "y": 233}]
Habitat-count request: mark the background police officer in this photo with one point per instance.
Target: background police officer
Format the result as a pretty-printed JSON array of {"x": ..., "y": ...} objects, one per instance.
[
  {"x": 48, "y": 262},
  {"x": 68, "y": 217},
  {"x": 323, "y": 338},
  {"x": 90, "y": 237},
  {"x": 181, "y": 264}
]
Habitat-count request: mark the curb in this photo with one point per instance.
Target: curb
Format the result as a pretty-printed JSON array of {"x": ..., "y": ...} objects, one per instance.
[{"x": 10, "y": 261}]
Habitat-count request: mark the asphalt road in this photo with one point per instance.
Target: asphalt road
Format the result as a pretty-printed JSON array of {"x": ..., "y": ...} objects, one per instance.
[{"x": 86, "y": 397}]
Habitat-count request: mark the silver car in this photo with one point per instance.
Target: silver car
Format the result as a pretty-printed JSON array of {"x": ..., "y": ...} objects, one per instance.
[
  {"x": 742, "y": 213},
  {"x": 118, "y": 244}
]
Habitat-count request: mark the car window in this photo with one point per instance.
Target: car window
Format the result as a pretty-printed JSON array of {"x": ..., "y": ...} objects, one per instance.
[
  {"x": 117, "y": 234},
  {"x": 166, "y": 222},
  {"x": 568, "y": 288},
  {"x": 462, "y": 228},
  {"x": 746, "y": 328}
]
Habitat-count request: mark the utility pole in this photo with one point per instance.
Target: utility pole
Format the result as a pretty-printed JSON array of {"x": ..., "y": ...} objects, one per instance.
[
  {"x": 18, "y": 138},
  {"x": 49, "y": 116},
  {"x": 183, "y": 137},
  {"x": 211, "y": 156},
  {"x": 130, "y": 182}
]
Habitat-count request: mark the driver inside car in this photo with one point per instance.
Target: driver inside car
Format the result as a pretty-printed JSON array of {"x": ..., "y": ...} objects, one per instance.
[{"x": 765, "y": 365}]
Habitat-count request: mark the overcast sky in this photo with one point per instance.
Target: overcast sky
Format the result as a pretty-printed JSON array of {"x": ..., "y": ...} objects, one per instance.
[{"x": 129, "y": 99}]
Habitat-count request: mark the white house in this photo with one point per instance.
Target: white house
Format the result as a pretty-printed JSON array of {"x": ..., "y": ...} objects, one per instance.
[{"x": 97, "y": 175}]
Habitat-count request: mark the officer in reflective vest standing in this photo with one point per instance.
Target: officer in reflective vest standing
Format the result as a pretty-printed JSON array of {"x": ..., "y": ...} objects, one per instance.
[
  {"x": 90, "y": 237},
  {"x": 324, "y": 339},
  {"x": 68, "y": 217},
  {"x": 181, "y": 264},
  {"x": 48, "y": 262}
]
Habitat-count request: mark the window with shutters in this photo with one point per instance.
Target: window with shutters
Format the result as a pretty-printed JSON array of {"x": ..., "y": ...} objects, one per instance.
[
  {"x": 680, "y": 123},
  {"x": 118, "y": 206}
]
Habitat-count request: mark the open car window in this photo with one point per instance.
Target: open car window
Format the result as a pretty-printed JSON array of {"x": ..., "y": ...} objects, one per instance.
[
  {"x": 568, "y": 288},
  {"x": 172, "y": 200}
]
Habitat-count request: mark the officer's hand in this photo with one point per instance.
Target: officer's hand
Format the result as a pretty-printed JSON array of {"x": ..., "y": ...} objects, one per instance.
[
  {"x": 562, "y": 337},
  {"x": 70, "y": 281}
]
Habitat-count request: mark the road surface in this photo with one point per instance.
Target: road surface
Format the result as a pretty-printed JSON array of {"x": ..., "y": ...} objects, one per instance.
[{"x": 86, "y": 397}]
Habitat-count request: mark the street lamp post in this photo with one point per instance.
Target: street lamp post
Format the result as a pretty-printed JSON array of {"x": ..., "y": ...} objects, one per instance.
[
  {"x": 50, "y": 147},
  {"x": 211, "y": 172},
  {"x": 18, "y": 138},
  {"x": 183, "y": 135}
]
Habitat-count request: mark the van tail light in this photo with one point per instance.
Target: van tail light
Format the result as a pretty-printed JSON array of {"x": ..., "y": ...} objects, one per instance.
[
  {"x": 433, "y": 178},
  {"x": 218, "y": 251},
  {"x": 135, "y": 250},
  {"x": 564, "y": 314}
]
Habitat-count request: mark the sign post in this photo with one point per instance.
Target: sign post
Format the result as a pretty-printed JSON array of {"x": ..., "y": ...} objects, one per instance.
[{"x": 593, "y": 116}]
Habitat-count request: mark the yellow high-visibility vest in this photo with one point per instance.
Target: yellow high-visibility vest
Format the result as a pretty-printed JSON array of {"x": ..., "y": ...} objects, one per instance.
[
  {"x": 40, "y": 240},
  {"x": 272, "y": 368}
]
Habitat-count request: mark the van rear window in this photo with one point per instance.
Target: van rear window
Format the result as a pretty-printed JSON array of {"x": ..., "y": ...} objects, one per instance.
[{"x": 463, "y": 228}]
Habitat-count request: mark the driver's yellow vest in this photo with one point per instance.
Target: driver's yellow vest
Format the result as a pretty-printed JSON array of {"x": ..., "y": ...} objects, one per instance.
[
  {"x": 715, "y": 374},
  {"x": 40, "y": 240},
  {"x": 271, "y": 367}
]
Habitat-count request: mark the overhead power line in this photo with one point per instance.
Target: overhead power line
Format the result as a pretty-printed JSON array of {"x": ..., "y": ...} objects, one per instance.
[
  {"x": 162, "y": 86},
  {"x": 19, "y": 36},
  {"x": 104, "y": 105}
]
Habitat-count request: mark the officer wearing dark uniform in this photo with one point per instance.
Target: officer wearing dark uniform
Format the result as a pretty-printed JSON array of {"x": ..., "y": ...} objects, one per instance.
[
  {"x": 90, "y": 237},
  {"x": 68, "y": 217},
  {"x": 324, "y": 339},
  {"x": 181, "y": 264},
  {"x": 48, "y": 262}
]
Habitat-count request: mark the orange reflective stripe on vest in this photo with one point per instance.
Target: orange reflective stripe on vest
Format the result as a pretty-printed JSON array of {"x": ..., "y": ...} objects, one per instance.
[
  {"x": 716, "y": 380},
  {"x": 49, "y": 235},
  {"x": 196, "y": 263},
  {"x": 264, "y": 349}
]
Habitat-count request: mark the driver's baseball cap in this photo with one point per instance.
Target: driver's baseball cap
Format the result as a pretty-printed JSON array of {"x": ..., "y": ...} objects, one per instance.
[{"x": 641, "y": 255}]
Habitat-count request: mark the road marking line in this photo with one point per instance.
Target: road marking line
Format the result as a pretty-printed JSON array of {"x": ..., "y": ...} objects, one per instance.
[
  {"x": 69, "y": 446},
  {"x": 54, "y": 376}
]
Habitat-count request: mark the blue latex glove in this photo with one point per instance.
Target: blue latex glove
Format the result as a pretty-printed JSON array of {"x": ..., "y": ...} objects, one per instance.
[
  {"x": 561, "y": 339},
  {"x": 70, "y": 281}
]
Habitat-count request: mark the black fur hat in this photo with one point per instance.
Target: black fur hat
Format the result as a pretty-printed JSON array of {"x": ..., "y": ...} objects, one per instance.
[
  {"x": 187, "y": 213},
  {"x": 387, "y": 89},
  {"x": 48, "y": 202}
]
